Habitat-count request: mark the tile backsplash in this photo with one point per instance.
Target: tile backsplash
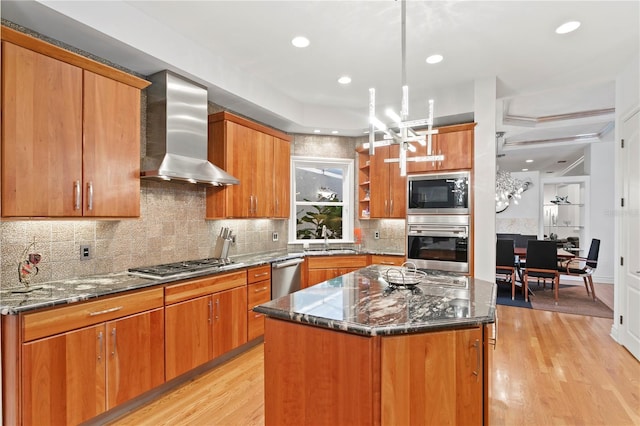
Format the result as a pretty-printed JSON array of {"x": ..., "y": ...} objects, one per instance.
[{"x": 171, "y": 228}]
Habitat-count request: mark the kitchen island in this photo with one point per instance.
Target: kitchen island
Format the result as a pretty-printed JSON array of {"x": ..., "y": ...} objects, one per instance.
[{"x": 356, "y": 350}]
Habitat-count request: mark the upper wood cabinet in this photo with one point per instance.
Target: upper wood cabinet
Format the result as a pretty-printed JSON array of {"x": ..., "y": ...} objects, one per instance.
[
  {"x": 388, "y": 190},
  {"x": 259, "y": 157},
  {"x": 70, "y": 135},
  {"x": 454, "y": 142}
]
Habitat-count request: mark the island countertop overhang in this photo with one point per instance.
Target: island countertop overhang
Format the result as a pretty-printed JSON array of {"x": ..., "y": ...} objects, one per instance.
[{"x": 363, "y": 303}]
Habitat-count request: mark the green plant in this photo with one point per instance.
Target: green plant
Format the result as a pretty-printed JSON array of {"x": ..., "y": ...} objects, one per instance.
[{"x": 325, "y": 215}]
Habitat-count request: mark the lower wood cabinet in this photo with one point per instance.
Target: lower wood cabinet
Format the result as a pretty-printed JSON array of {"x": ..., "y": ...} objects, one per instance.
[
  {"x": 258, "y": 292},
  {"x": 385, "y": 259},
  {"x": 72, "y": 376},
  {"x": 205, "y": 318},
  {"x": 323, "y": 268}
]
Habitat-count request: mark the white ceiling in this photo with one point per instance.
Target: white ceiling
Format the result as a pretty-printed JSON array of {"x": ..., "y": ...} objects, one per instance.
[{"x": 551, "y": 88}]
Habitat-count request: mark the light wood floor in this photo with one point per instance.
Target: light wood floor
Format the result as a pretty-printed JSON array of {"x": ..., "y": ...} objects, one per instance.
[{"x": 548, "y": 368}]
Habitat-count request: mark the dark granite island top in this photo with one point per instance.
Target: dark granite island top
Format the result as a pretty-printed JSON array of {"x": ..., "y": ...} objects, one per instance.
[{"x": 362, "y": 302}]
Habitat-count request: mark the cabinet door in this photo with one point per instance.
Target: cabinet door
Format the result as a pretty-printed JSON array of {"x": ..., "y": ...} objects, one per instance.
[
  {"x": 135, "y": 354},
  {"x": 64, "y": 377},
  {"x": 41, "y": 134},
  {"x": 240, "y": 161},
  {"x": 262, "y": 188},
  {"x": 319, "y": 275},
  {"x": 432, "y": 378},
  {"x": 379, "y": 202},
  {"x": 397, "y": 187},
  {"x": 229, "y": 320},
  {"x": 111, "y": 148},
  {"x": 457, "y": 148},
  {"x": 188, "y": 335},
  {"x": 281, "y": 177}
]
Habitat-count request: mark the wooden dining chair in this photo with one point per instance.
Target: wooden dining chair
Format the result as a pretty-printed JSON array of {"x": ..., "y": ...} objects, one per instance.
[
  {"x": 506, "y": 263},
  {"x": 542, "y": 263},
  {"x": 584, "y": 267}
]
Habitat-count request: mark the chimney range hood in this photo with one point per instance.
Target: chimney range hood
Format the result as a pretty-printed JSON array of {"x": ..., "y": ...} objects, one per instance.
[{"x": 177, "y": 133}]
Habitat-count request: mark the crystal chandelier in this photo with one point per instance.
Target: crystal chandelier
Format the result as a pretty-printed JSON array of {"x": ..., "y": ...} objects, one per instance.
[
  {"x": 508, "y": 188},
  {"x": 405, "y": 135}
]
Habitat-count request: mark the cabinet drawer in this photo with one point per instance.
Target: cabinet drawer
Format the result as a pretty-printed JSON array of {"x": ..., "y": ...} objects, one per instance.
[
  {"x": 320, "y": 262},
  {"x": 259, "y": 273},
  {"x": 258, "y": 293},
  {"x": 378, "y": 259},
  {"x": 202, "y": 286},
  {"x": 59, "y": 320},
  {"x": 255, "y": 325}
]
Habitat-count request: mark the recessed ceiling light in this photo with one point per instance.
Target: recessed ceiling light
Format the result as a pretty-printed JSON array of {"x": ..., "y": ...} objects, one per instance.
[
  {"x": 335, "y": 132},
  {"x": 316, "y": 131},
  {"x": 567, "y": 27},
  {"x": 300, "y": 41},
  {"x": 345, "y": 79},
  {"x": 525, "y": 170},
  {"x": 434, "y": 59},
  {"x": 528, "y": 161}
]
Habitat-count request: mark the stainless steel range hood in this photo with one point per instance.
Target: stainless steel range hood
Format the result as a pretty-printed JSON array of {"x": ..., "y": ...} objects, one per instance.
[{"x": 177, "y": 133}]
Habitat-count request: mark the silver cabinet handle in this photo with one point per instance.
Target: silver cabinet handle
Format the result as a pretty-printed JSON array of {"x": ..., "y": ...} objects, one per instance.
[
  {"x": 106, "y": 311},
  {"x": 113, "y": 334},
  {"x": 391, "y": 210},
  {"x": 476, "y": 372},
  {"x": 494, "y": 340},
  {"x": 386, "y": 210},
  {"x": 90, "y": 194},
  {"x": 260, "y": 290},
  {"x": 250, "y": 204},
  {"x": 76, "y": 196},
  {"x": 277, "y": 206},
  {"x": 255, "y": 210},
  {"x": 260, "y": 275},
  {"x": 217, "y": 309},
  {"x": 100, "y": 345},
  {"x": 210, "y": 311}
]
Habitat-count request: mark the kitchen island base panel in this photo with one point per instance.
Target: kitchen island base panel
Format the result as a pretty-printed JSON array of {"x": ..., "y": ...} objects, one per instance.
[
  {"x": 316, "y": 376},
  {"x": 308, "y": 369}
]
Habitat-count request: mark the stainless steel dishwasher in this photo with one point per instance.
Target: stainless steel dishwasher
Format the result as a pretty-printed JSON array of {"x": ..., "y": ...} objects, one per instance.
[{"x": 285, "y": 277}]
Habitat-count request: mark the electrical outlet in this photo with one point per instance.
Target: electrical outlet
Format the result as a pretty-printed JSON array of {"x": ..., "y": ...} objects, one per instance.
[
  {"x": 274, "y": 236},
  {"x": 376, "y": 235},
  {"x": 85, "y": 252}
]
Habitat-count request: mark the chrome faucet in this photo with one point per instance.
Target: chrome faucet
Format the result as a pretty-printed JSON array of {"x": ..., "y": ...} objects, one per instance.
[{"x": 325, "y": 235}]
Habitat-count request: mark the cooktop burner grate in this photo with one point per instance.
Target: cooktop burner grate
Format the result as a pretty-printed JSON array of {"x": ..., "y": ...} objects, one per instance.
[{"x": 168, "y": 269}]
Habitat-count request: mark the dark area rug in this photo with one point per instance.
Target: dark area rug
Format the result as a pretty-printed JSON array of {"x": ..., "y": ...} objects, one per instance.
[
  {"x": 504, "y": 296},
  {"x": 572, "y": 299}
]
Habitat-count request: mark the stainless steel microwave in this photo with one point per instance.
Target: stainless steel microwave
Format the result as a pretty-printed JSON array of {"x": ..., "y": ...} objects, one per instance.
[{"x": 438, "y": 193}]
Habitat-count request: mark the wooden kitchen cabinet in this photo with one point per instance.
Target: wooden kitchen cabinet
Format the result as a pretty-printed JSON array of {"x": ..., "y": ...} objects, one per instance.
[
  {"x": 454, "y": 142},
  {"x": 258, "y": 292},
  {"x": 259, "y": 157},
  {"x": 364, "y": 184},
  {"x": 95, "y": 363},
  {"x": 391, "y": 260},
  {"x": 388, "y": 190},
  {"x": 433, "y": 378},
  {"x": 323, "y": 268},
  {"x": 205, "y": 318},
  {"x": 70, "y": 135}
]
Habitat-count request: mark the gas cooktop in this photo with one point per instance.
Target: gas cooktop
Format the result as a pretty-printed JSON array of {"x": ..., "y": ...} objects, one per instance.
[{"x": 170, "y": 269}]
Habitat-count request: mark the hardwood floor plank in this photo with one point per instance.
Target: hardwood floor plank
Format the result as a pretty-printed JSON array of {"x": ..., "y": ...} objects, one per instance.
[{"x": 548, "y": 368}]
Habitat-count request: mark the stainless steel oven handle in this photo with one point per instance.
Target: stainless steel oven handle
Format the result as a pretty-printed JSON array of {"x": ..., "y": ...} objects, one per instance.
[{"x": 440, "y": 234}]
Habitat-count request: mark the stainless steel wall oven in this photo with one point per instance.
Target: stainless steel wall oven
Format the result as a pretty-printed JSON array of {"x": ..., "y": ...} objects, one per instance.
[{"x": 439, "y": 242}]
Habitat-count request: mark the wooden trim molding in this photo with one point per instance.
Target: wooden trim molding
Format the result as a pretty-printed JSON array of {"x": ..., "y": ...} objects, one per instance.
[
  {"x": 48, "y": 49},
  {"x": 225, "y": 115}
]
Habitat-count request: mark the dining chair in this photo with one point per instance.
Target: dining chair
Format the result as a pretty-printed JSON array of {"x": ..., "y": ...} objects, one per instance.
[
  {"x": 584, "y": 267},
  {"x": 542, "y": 263},
  {"x": 506, "y": 263}
]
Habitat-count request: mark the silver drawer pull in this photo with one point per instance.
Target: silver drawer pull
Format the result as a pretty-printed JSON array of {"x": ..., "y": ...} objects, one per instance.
[
  {"x": 106, "y": 311},
  {"x": 258, "y": 290},
  {"x": 260, "y": 275}
]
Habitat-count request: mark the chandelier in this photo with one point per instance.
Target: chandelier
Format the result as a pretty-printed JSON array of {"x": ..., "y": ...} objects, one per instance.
[
  {"x": 508, "y": 188},
  {"x": 405, "y": 135}
]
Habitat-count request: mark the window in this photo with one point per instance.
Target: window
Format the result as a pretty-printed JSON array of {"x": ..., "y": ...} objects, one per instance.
[{"x": 322, "y": 191}]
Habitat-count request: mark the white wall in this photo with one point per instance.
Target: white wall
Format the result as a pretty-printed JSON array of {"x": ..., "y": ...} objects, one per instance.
[
  {"x": 484, "y": 179},
  {"x": 599, "y": 164}
]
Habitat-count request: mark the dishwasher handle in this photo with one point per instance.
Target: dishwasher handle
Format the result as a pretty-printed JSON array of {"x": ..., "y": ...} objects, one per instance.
[{"x": 287, "y": 263}]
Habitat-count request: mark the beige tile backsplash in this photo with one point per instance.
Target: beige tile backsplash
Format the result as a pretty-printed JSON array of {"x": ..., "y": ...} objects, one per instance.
[{"x": 171, "y": 228}]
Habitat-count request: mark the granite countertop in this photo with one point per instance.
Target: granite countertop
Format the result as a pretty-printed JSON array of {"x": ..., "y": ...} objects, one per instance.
[
  {"x": 43, "y": 295},
  {"x": 16, "y": 299},
  {"x": 362, "y": 302}
]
